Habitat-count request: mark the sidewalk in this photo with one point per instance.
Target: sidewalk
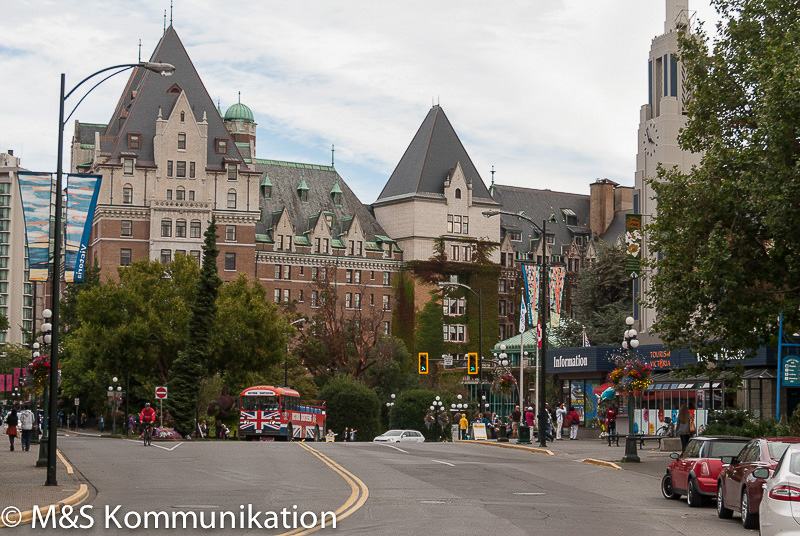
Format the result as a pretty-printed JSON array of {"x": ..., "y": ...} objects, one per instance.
[{"x": 23, "y": 483}]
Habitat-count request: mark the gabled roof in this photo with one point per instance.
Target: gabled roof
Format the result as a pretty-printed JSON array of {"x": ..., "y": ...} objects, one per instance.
[
  {"x": 432, "y": 154},
  {"x": 146, "y": 92}
]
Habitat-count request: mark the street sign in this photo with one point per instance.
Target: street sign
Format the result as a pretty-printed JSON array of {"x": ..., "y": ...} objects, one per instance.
[
  {"x": 791, "y": 371},
  {"x": 448, "y": 360},
  {"x": 77, "y": 401},
  {"x": 161, "y": 393}
]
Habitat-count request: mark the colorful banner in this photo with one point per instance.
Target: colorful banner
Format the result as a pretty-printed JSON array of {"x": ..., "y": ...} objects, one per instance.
[
  {"x": 82, "y": 192},
  {"x": 17, "y": 374},
  {"x": 530, "y": 291},
  {"x": 557, "y": 276},
  {"x": 5, "y": 379},
  {"x": 35, "y": 191},
  {"x": 633, "y": 245}
]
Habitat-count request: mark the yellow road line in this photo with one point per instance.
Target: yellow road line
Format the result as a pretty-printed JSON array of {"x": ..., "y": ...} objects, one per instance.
[
  {"x": 73, "y": 500},
  {"x": 61, "y": 457},
  {"x": 359, "y": 493}
]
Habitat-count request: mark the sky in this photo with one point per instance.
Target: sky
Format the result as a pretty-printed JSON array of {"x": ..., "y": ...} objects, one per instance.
[{"x": 546, "y": 92}]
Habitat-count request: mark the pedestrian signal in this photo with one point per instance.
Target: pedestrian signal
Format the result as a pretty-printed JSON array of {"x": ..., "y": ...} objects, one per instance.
[
  {"x": 472, "y": 363},
  {"x": 423, "y": 363}
]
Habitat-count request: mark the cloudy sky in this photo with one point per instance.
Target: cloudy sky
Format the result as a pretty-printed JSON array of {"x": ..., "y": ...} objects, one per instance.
[{"x": 547, "y": 92}]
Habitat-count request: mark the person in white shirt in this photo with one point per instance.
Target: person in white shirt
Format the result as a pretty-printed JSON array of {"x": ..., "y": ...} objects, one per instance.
[
  {"x": 561, "y": 412},
  {"x": 26, "y": 424}
]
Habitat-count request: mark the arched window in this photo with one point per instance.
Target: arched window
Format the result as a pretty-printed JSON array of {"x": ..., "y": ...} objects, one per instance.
[
  {"x": 180, "y": 193},
  {"x": 231, "y": 198},
  {"x": 183, "y": 115},
  {"x": 166, "y": 227},
  {"x": 180, "y": 229},
  {"x": 458, "y": 193},
  {"x": 127, "y": 194}
]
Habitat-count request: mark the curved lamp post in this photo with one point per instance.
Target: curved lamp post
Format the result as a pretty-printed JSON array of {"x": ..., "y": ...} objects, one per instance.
[
  {"x": 630, "y": 343},
  {"x": 164, "y": 69},
  {"x": 544, "y": 312}
]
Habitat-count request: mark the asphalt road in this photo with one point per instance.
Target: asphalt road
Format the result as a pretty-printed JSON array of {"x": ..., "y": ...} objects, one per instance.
[{"x": 410, "y": 489}]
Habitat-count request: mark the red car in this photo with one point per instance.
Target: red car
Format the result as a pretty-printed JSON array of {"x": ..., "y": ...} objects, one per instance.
[
  {"x": 738, "y": 490},
  {"x": 694, "y": 472}
]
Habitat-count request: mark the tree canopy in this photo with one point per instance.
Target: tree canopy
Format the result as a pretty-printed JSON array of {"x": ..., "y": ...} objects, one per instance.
[{"x": 727, "y": 233}]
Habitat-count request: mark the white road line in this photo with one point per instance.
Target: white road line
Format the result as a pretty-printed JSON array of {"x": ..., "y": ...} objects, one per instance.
[
  {"x": 529, "y": 493},
  {"x": 444, "y": 463},
  {"x": 393, "y": 447},
  {"x": 154, "y": 445}
]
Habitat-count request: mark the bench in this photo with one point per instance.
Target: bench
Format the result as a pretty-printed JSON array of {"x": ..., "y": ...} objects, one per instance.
[{"x": 640, "y": 437}]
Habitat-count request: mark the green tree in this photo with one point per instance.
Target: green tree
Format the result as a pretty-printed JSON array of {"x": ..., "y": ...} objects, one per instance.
[
  {"x": 409, "y": 410},
  {"x": 351, "y": 404},
  {"x": 3, "y": 322},
  {"x": 191, "y": 364},
  {"x": 728, "y": 239},
  {"x": 429, "y": 328}
]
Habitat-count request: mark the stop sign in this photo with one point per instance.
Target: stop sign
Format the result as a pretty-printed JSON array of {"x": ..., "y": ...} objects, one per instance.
[{"x": 161, "y": 393}]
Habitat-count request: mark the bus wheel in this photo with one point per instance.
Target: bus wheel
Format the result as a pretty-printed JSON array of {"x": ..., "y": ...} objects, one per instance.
[
  {"x": 289, "y": 432},
  {"x": 316, "y": 433}
]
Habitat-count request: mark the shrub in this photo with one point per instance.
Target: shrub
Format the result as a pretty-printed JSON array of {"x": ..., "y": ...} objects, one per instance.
[
  {"x": 742, "y": 423},
  {"x": 409, "y": 411},
  {"x": 351, "y": 404}
]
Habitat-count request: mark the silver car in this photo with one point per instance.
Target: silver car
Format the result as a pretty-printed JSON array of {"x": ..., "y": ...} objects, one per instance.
[
  {"x": 779, "y": 512},
  {"x": 400, "y": 436}
]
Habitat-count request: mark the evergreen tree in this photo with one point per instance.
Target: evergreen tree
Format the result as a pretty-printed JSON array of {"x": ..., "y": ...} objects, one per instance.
[{"x": 191, "y": 364}]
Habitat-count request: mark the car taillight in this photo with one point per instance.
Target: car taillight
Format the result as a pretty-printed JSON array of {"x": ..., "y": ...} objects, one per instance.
[
  {"x": 785, "y": 492},
  {"x": 704, "y": 469}
]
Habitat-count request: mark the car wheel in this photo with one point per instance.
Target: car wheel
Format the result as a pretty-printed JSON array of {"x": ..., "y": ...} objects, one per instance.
[
  {"x": 693, "y": 497},
  {"x": 749, "y": 520},
  {"x": 722, "y": 512},
  {"x": 666, "y": 488}
]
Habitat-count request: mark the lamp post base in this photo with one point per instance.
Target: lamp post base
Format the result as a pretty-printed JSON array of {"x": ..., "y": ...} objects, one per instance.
[
  {"x": 631, "y": 452},
  {"x": 43, "y": 450}
]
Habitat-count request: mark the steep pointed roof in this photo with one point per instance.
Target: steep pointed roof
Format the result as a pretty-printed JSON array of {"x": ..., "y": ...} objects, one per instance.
[
  {"x": 146, "y": 92},
  {"x": 432, "y": 153}
]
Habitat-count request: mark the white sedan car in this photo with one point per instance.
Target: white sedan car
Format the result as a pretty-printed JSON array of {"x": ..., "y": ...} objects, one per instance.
[
  {"x": 400, "y": 436},
  {"x": 779, "y": 511}
]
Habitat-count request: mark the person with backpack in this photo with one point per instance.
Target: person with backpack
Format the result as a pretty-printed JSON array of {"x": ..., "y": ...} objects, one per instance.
[
  {"x": 574, "y": 420},
  {"x": 611, "y": 422}
]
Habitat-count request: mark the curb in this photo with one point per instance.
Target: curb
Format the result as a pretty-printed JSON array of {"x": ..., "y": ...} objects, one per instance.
[
  {"x": 548, "y": 452},
  {"x": 602, "y": 463}
]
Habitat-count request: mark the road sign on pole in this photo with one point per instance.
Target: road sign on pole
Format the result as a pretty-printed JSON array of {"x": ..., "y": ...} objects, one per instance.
[
  {"x": 77, "y": 402},
  {"x": 161, "y": 393}
]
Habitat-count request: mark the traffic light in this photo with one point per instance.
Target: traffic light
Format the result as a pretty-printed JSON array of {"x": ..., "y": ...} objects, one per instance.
[
  {"x": 423, "y": 363},
  {"x": 472, "y": 363}
]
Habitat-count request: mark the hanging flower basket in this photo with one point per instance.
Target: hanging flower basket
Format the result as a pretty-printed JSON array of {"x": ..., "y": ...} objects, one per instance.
[
  {"x": 631, "y": 375},
  {"x": 504, "y": 385},
  {"x": 39, "y": 368}
]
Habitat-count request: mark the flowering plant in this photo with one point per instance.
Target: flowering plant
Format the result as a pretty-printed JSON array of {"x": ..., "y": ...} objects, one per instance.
[
  {"x": 39, "y": 368},
  {"x": 631, "y": 375},
  {"x": 504, "y": 384}
]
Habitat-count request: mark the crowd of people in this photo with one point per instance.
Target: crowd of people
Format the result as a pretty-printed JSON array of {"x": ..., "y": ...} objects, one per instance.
[{"x": 555, "y": 422}]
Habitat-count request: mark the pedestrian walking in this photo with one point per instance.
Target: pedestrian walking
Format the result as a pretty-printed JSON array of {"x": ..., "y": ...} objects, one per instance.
[
  {"x": 346, "y": 434},
  {"x": 101, "y": 424},
  {"x": 83, "y": 421},
  {"x": 463, "y": 425},
  {"x": 611, "y": 422},
  {"x": 11, "y": 421},
  {"x": 685, "y": 423},
  {"x": 530, "y": 417},
  {"x": 561, "y": 413},
  {"x": 73, "y": 421},
  {"x": 353, "y": 435},
  {"x": 574, "y": 420},
  {"x": 131, "y": 425},
  {"x": 516, "y": 415},
  {"x": 25, "y": 418}
]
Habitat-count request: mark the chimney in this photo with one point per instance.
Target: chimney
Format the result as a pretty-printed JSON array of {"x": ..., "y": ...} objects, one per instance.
[
  {"x": 601, "y": 205},
  {"x": 11, "y": 152}
]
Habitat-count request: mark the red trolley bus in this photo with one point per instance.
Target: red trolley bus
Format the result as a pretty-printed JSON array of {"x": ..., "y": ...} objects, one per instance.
[{"x": 277, "y": 412}]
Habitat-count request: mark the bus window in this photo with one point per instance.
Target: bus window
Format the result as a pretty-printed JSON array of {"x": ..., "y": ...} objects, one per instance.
[
  {"x": 249, "y": 403},
  {"x": 269, "y": 403},
  {"x": 263, "y": 403}
]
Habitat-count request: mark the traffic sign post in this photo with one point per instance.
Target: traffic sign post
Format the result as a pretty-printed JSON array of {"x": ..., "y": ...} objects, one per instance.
[{"x": 161, "y": 394}]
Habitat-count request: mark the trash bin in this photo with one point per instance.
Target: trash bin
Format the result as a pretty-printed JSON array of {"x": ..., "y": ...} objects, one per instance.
[
  {"x": 524, "y": 435},
  {"x": 501, "y": 434}
]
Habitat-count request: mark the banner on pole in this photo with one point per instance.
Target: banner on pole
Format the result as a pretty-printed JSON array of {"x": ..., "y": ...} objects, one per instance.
[
  {"x": 17, "y": 373},
  {"x": 557, "y": 276},
  {"x": 82, "y": 192},
  {"x": 35, "y": 191},
  {"x": 633, "y": 245},
  {"x": 531, "y": 275}
]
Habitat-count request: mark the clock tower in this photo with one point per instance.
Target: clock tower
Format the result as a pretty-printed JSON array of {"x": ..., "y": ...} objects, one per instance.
[{"x": 660, "y": 122}]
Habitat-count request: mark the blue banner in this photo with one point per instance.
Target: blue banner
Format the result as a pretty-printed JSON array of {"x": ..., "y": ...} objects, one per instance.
[
  {"x": 82, "y": 192},
  {"x": 35, "y": 190}
]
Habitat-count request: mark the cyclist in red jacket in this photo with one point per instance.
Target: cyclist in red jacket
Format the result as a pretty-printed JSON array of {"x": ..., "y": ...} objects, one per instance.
[{"x": 148, "y": 417}]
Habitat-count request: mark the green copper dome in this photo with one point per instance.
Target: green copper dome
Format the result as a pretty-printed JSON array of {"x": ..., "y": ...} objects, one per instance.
[{"x": 239, "y": 112}]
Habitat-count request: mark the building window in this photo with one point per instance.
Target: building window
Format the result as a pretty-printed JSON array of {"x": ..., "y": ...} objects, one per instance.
[
  {"x": 233, "y": 172},
  {"x": 372, "y": 275},
  {"x": 196, "y": 254},
  {"x": 357, "y": 300},
  {"x": 230, "y": 261},
  {"x": 191, "y": 195},
  {"x": 180, "y": 229},
  {"x": 386, "y": 327},
  {"x": 181, "y": 140},
  {"x": 501, "y": 308},
  {"x": 169, "y": 195},
  {"x": 194, "y": 229},
  {"x": 314, "y": 298},
  {"x": 454, "y": 306},
  {"x": 166, "y": 256},
  {"x": 467, "y": 253},
  {"x": 230, "y": 233},
  {"x": 304, "y": 196},
  {"x": 126, "y": 228},
  {"x": 180, "y": 193},
  {"x": 501, "y": 285},
  {"x": 301, "y": 270},
  {"x": 300, "y": 295},
  {"x": 231, "y": 198},
  {"x": 166, "y": 227},
  {"x": 357, "y": 277},
  {"x": 337, "y": 199},
  {"x": 287, "y": 271},
  {"x": 515, "y": 236},
  {"x": 454, "y": 332},
  {"x": 183, "y": 116},
  {"x": 348, "y": 276},
  {"x": 124, "y": 257},
  {"x": 221, "y": 146},
  {"x": 287, "y": 295},
  {"x": 348, "y": 300},
  {"x": 169, "y": 168},
  {"x": 276, "y": 295},
  {"x": 134, "y": 141},
  {"x": 458, "y": 193},
  {"x": 314, "y": 273},
  {"x": 454, "y": 253},
  {"x": 180, "y": 169},
  {"x": 191, "y": 170},
  {"x": 278, "y": 271},
  {"x": 386, "y": 304},
  {"x": 551, "y": 239},
  {"x": 127, "y": 164},
  {"x": 386, "y": 278}
]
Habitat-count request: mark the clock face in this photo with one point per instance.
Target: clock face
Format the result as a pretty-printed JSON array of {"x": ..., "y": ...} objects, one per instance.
[{"x": 652, "y": 139}]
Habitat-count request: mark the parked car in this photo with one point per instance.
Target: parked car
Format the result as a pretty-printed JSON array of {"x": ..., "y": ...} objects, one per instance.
[
  {"x": 400, "y": 436},
  {"x": 694, "y": 472},
  {"x": 738, "y": 490},
  {"x": 777, "y": 513}
]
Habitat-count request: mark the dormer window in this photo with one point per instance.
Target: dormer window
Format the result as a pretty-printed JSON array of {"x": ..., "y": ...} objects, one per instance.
[
  {"x": 304, "y": 196},
  {"x": 458, "y": 193},
  {"x": 181, "y": 138},
  {"x": 221, "y": 146},
  {"x": 266, "y": 192},
  {"x": 570, "y": 218},
  {"x": 127, "y": 166},
  {"x": 337, "y": 199},
  {"x": 134, "y": 141},
  {"x": 233, "y": 172},
  {"x": 515, "y": 236}
]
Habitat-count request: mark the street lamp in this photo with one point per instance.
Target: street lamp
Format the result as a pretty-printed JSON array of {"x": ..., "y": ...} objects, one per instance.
[
  {"x": 113, "y": 392},
  {"x": 391, "y": 402},
  {"x": 436, "y": 410},
  {"x": 286, "y": 358},
  {"x": 630, "y": 343},
  {"x": 545, "y": 313},
  {"x": 46, "y": 328},
  {"x": 478, "y": 295},
  {"x": 164, "y": 69}
]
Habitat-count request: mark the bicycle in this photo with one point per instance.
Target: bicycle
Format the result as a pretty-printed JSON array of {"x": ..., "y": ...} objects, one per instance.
[
  {"x": 667, "y": 429},
  {"x": 146, "y": 435}
]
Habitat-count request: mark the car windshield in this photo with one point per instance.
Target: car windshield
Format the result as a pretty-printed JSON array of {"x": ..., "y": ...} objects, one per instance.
[
  {"x": 776, "y": 449},
  {"x": 718, "y": 449},
  {"x": 393, "y": 433}
]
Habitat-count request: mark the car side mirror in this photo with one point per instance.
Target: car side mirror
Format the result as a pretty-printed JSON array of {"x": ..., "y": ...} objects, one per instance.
[
  {"x": 674, "y": 455},
  {"x": 727, "y": 459},
  {"x": 761, "y": 472}
]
